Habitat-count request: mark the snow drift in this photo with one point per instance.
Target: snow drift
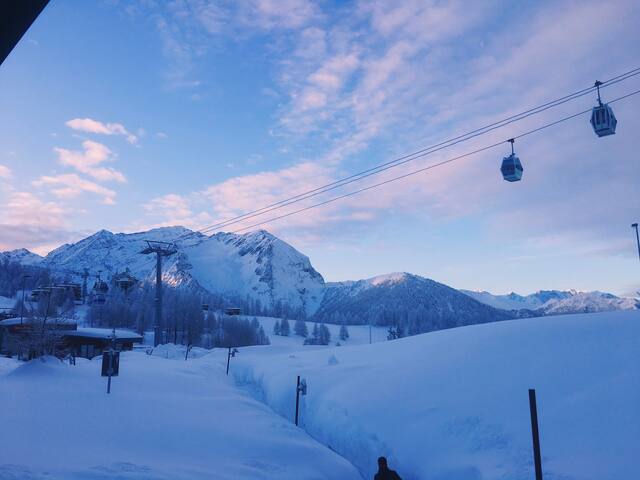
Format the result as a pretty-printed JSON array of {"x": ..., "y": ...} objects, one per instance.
[{"x": 453, "y": 404}]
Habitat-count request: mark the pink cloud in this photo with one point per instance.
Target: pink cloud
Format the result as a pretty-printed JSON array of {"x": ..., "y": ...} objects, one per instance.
[
  {"x": 5, "y": 172},
  {"x": 88, "y": 160},
  {"x": 71, "y": 185},
  {"x": 94, "y": 126}
]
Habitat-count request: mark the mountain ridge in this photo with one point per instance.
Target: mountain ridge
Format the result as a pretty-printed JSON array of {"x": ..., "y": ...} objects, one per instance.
[{"x": 268, "y": 271}]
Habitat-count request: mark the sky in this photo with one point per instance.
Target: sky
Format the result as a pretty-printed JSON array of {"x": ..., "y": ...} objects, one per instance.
[{"x": 129, "y": 115}]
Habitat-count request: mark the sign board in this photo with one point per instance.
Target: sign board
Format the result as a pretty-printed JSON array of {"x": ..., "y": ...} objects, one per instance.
[
  {"x": 114, "y": 357},
  {"x": 303, "y": 387}
]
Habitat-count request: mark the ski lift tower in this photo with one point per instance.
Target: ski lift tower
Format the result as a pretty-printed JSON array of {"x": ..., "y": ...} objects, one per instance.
[{"x": 161, "y": 249}]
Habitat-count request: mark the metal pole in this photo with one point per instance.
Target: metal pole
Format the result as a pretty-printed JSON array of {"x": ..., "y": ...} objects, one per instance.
[
  {"x": 635, "y": 225},
  {"x": 534, "y": 431},
  {"x": 24, "y": 281},
  {"x": 110, "y": 371},
  {"x": 158, "y": 313},
  {"x": 228, "y": 359},
  {"x": 111, "y": 353},
  {"x": 297, "y": 399}
]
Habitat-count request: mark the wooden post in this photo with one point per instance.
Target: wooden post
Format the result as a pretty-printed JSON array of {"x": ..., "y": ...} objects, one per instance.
[
  {"x": 297, "y": 399},
  {"x": 534, "y": 431}
]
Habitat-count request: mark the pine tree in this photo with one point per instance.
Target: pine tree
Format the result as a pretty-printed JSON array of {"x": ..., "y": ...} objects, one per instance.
[
  {"x": 276, "y": 328},
  {"x": 285, "y": 329},
  {"x": 324, "y": 336},
  {"x": 262, "y": 337},
  {"x": 344, "y": 333},
  {"x": 313, "y": 340},
  {"x": 300, "y": 328}
]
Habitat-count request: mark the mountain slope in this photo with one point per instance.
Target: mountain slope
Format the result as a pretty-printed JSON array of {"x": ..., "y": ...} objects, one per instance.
[
  {"x": 277, "y": 278},
  {"x": 22, "y": 256},
  {"x": 255, "y": 265},
  {"x": 418, "y": 304}
]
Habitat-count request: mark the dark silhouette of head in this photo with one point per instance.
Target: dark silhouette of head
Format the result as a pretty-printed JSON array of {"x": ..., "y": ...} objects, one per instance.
[{"x": 382, "y": 463}]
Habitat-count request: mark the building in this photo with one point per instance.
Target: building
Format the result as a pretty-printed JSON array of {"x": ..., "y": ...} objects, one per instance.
[
  {"x": 91, "y": 342},
  {"x": 25, "y": 337},
  {"x": 63, "y": 336}
]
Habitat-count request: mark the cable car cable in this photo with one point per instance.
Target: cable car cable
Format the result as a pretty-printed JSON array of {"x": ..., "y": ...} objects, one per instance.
[
  {"x": 429, "y": 167},
  {"x": 412, "y": 156}
]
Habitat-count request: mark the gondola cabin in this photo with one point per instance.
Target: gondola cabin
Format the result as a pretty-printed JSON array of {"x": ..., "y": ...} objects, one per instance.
[
  {"x": 124, "y": 281},
  {"x": 603, "y": 120},
  {"x": 511, "y": 168}
]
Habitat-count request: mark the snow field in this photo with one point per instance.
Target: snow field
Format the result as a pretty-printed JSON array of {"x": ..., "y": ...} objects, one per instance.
[
  {"x": 453, "y": 404},
  {"x": 165, "y": 419}
]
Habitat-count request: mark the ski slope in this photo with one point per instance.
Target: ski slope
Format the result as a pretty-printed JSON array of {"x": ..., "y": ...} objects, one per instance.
[
  {"x": 164, "y": 420},
  {"x": 453, "y": 404}
]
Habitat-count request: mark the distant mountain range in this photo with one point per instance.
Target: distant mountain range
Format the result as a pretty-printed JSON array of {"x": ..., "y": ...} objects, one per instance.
[
  {"x": 263, "y": 269},
  {"x": 554, "y": 302}
]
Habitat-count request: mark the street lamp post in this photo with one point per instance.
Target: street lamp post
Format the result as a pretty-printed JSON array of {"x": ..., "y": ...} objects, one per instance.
[{"x": 635, "y": 225}]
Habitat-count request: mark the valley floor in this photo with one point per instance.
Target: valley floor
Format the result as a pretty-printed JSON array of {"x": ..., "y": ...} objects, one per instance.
[{"x": 448, "y": 405}]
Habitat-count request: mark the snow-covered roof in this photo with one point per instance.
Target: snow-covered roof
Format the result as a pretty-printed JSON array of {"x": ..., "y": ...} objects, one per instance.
[
  {"x": 104, "y": 333},
  {"x": 50, "y": 321}
]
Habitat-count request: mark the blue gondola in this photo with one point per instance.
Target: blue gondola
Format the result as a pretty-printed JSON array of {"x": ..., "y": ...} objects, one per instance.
[
  {"x": 603, "y": 120},
  {"x": 511, "y": 167}
]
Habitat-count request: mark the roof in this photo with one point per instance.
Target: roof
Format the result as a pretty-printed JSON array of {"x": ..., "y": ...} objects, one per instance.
[
  {"x": 50, "y": 321},
  {"x": 104, "y": 333}
]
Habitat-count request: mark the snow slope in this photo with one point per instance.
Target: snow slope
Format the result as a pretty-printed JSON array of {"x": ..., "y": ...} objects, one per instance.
[
  {"x": 165, "y": 419},
  {"x": 453, "y": 404}
]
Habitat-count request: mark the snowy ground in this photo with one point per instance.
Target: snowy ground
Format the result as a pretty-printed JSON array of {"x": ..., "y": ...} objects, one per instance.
[
  {"x": 6, "y": 302},
  {"x": 453, "y": 404},
  {"x": 165, "y": 419},
  {"x": 358, "y": 334},
  {"x": 448, "y": 405}
]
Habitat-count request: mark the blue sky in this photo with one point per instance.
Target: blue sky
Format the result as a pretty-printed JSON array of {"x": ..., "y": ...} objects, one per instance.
[{"x": 127, "y": 115}]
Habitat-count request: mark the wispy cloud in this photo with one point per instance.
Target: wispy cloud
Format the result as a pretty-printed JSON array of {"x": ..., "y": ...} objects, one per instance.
[
  {"x": 70, "y": 185},
  {"x": 94, "y": 126},
  {"x": 88, "y": 161},
  {"x": 371, "y": 80},
  {"x": 31, "y": 222}
]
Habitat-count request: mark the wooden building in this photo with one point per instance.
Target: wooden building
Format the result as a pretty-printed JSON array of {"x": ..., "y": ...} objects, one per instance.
[{"x": 91, "y": 342}]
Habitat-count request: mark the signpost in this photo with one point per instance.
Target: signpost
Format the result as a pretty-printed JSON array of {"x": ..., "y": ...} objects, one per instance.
[
  {"x": 231, "y": 353},
  {"x": 111, "y": 362}
]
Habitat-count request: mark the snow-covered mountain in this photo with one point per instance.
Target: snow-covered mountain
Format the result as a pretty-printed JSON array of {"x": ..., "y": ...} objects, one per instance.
[
  {"x": 418, "y": 303},
  {"x": 256, "y": 265},
  {"x": 552, "y": 302},
  {"x": 21, "y": 255},
  {"x": 262, "y": 268}
]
